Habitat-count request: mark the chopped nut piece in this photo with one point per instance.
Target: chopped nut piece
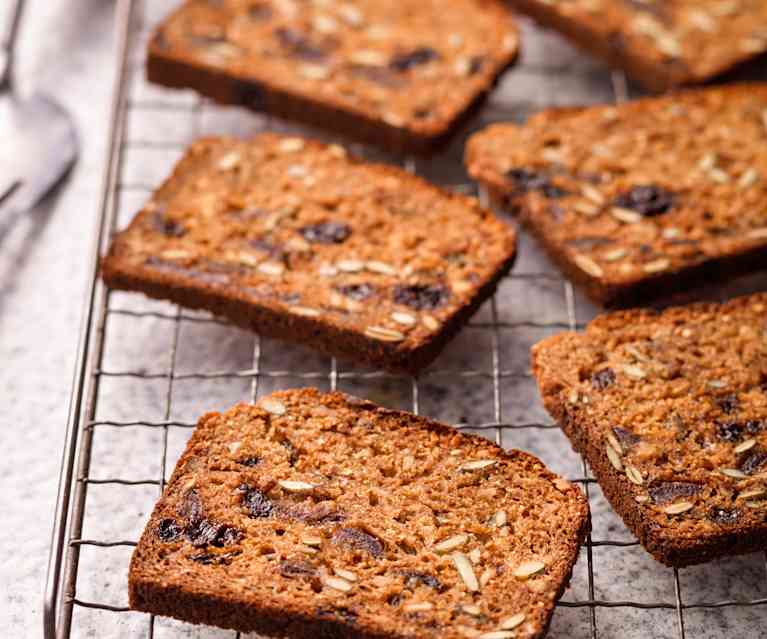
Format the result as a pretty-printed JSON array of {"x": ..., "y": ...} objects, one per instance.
[
  {"x": 291, "y": 145},
  {"x": 499, "y": 519}
]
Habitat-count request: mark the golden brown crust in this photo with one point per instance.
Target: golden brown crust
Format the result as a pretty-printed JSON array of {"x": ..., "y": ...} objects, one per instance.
[
  {"x": 670, "y": 411},
  {"x": 661, "y": 45},
  {"x": 403, "y": 76},
  {"x": 643, "y": 199},
  {"x": 295, "y": 240},
  {"x": 234, "y": 543}
]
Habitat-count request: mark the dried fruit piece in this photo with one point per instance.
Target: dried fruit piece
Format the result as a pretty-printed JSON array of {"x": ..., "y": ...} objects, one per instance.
[
  {"x": 754, "y": 461},
  {"x": 215, "y": 559},
  {"x": 359, "y": 540},
  {"x": 257, "y": 503},
  {"x": 526, "y": 180},
  {"x": 649, "y": 200},
  {"x": 664, "y": 492},
  {"x": 729, "y": 431},
  {"x": 414, "y": 578},
  {"x": 724, "y": 516},
  {"x": 603, "y": 379},
  {"x": 411, "y": 59},
  {"x": 326, "y": 232},
  {"x": 421, "y": 296},
  {"x": 169, "y": 529},
  {"x": 293, "y": 569},
  {"x": 357, "y": 292}
]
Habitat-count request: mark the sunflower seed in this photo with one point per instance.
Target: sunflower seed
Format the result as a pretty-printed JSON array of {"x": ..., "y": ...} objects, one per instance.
[
  {"x": 585, "y": 263},
  {"x": 451, "y": 543},
  {"x": 403, "y": 318},
  {"x": 512, "y": 622},
  {"x": 314, "y": 72},
  {"x": 430, "y": 322},
  {"x": 499, "y": 519},
  {"x": 614, "y": 458},
  {"x": 229, "y": 161},
  {"x": 486, "y": 576},
  {"x": 350, "y": 266},
  {"x": 497, "y": 634},
  {"x": 465, "y": 570},
  {"x": 472, "y": 609},
  {"x": 380, "y": 267},
  {"x": 291, "y": 145},
  {"x": 656, "y": 266},
  {"x": 635, "y": 372},
  {"x": 757, "y": 505},
  {"x": 754, "y": 492},
  {"x": 642, "y": 499},
  {"x": 613, "y": 441},
  {"x": 528, "y": 569},
  {"x": 757, "y": 234},
  {"x": 733, "y": 472},
  {"x": 592, "y": 194},
  {"x": 295, "y": 486},
  {"x": 337, "y": 583},
  {"x": 678, "y": 508},
  {"x": 345, "y": 574},
  {"x": 475, "y": 555},
  {"x": 384, "y": 334},
  {"x": 748, "y": 179},
  {"x": 271, "y": 268},
  {"x": 304, "y": 311},
  {"x": 314, "y": 542},
  {"x": 744, "y": 446},
  {"x": 478, "y": 464},
  {"x": 625, "y": 215},
  {"x": 615, "y": 255},
  {"x": 634, "y": 475},
  {"x": 418, "y": 607},
  {"x": 273, "y": 406}
]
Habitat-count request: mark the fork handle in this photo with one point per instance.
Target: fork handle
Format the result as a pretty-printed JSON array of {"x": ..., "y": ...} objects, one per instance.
[{"x": 8, "y": 33}]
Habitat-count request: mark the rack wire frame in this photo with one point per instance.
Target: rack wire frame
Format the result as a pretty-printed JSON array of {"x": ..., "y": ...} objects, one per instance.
[{"x": 60, "y": 597}]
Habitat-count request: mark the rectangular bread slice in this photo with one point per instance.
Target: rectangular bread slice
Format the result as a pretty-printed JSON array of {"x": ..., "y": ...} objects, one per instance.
[
  {"x": 321, "y": 515},
  {"x": 295, "y": 240},
  {"x": 660, "y": 43},
  {"x": 640, "y": 200},
  {"x": 399, "y": 74},
  {"x": 670, "y": 410}
]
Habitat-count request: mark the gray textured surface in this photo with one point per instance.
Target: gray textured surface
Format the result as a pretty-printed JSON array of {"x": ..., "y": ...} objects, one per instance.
[{"x": 43, "y": 271}]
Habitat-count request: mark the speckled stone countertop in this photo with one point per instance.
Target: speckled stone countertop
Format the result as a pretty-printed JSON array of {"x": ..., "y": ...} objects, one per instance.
[{"x": 67, "y": 46}]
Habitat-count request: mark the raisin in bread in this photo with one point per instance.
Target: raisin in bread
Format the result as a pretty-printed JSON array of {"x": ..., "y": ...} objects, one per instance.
[
  {"x": 295, "y": 240},
  {"x": 400, "y": 74},
  {"x": 640, "y": 200},
  {"x": 670, "y": 410},
  {"x": 316, "y": 514}
]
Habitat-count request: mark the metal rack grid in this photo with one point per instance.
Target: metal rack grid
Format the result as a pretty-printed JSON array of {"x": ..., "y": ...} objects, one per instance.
[{"x": 61, "y": 598}]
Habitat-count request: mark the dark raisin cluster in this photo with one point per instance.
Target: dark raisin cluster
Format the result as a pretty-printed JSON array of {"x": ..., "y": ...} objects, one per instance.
[
  {"x": 257, "y": 503},
  {"x": 327, "y": 233},
  {"x": 421, "y": 297},
  {"x": 666, "y": 491},
  {"x": 649, "y": 200},
  {"x": 357, "y": 292},
  {"x": 359, "y": 540},
  {"x": 526, "y": 180},
  {"x": 406, "y": 61},
  {"x": 602, "y": 379}
]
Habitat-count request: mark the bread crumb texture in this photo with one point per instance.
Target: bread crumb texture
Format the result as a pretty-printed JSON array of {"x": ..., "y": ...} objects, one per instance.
[
  {"x": 670, "y": 410},
  {"x": 314, "y": 513}
]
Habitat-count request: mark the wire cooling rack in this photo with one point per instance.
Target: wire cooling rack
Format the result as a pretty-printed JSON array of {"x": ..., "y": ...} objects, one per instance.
[{"x": 146, "y": 370}]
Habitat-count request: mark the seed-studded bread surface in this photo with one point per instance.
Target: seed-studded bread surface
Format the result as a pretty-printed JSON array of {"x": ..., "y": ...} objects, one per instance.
[
  {"x": 661, "y": 43},
  {"x": 400, "y": 74},
  {"x": 643, "y": 199},
  {"x": 670, "y": 410},
  {"x": 314, "y": 514},
  {"x": 293, "y": 239}
]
